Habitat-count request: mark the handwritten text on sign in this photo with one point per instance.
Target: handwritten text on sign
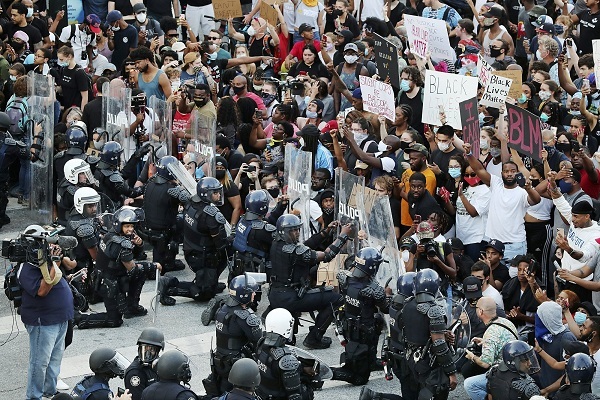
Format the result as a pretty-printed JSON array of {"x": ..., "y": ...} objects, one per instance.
[
  {"x": 378, "y": 97},
  {"x": 227, "y": 8},
  {"x": 524, "y": 131},
  {"x": 437, "y": 39},
  {"x": 485, "y": 71},
  {"x": 470, "y": 123},
  {"x": 446, "y": 90},
  {"x": 496, "y": 91},
  {"x": 418, "y": 39}
]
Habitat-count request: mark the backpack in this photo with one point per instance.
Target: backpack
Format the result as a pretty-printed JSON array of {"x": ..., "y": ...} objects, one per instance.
[
  {"x": 17, "y": 112},
  {"x": 356, "y": 71},
  {"x": 12, "y": 286}
]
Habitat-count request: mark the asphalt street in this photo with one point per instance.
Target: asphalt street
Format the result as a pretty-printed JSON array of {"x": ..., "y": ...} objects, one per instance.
[{"x": 180, "y": 324}]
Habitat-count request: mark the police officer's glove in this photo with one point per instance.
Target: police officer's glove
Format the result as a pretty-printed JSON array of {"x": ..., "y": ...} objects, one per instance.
[
  {"x": 137, "y": 191},
  {"x": 143, "y": 150}
]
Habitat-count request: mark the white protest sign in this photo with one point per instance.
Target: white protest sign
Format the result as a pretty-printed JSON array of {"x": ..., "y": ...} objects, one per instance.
[
  {"x": 496, "y": 91},
  {"x": 446, "y": 91},
  {"x": 418, "y": 37},
  {"x": 438, "y": 43},
  {"x": 596, "y": 50},
  {"x": 485, "y": 71},
  {"x": 378, "y": 97}
]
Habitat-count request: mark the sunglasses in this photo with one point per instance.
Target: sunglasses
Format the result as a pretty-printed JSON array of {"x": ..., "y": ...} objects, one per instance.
[
  {"x": 213, "y": 38},
  {"x": 174, "y": 35},
  {"x": 473, "y": 175}
]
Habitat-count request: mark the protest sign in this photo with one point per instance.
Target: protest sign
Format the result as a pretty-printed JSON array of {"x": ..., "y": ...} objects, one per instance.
[
  {"x": 596, "y": 50},
  {"x": 517, "y": 81},
  {"x": 524, "y": 132},
  {"x": 386, "y": 57},
  {"x": 378, "y": 97},
  {"x": 268, "y": 12},
  {"x": 418, "y": 37},
  {"x": 437, "y": 39},
  {"x": 496, "y": 91},
  {"x": 227, "y": 8},
  {"x": 470, "y": 123},
  {"x": 446, "y": 91},
  {"x": 485, "y": 71}
]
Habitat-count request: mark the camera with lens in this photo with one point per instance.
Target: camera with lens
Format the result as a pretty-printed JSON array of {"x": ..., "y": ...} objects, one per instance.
[
  {"x": 138, "y": 104},
  {"x": 430, "y": 247},
  {"x": 474, "y": 348},
  {"x": 15, "y": 250},
  {"x": 296, "y": 86}
]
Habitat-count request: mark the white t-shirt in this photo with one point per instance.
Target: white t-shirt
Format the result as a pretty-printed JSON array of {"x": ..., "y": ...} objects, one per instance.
[
  {"x": 494, "y": 169},
  {"x": 494, "y": 294},
  {"x": 79, "y": 42},
  {"x": 371, "y": 8},
  {"x": 468, "y": 229},
  {"x": 507, "y": 211}
]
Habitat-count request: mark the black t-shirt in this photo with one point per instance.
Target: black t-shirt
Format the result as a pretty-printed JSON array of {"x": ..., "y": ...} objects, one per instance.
[
  {"x": 34, "y": 34},
  {"x": 124, "y": 40},
  {"x": 125, "y": 6},
  {"x": 416, "y": 104},
  {"x": 442, "y": 159},
  {"x": 589, "y": 29},
  {"x": 421, "y": 262},
  {"x": 228, "y": 192},
  {"x": 235, "y": 159},
  {"x": 41, "y": 26},
  {"x": 73, "y": 82},
  {"x": 351, "y": 25},
  {"x": 259, "y": 47},
  {"x": 159, "y": 7},
  {"x": 317, "y": 69},
  {"x": 395, "y": 207},
  {"x": 217, "y": 67},
  {"x": 423, "y": 206},
  {"x": 501, "y": 273}
]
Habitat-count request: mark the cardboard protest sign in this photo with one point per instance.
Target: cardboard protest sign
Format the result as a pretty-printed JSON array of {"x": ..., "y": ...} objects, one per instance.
[
  {"x": 517, "y": 81},
  {"x": 227, "y": 8},
  {"x": 386, "y": 57},
  {"x": 378, "y": 97},
  {"x": 596, "y": 50},
  {"x": 524, "y": 132},
  {"x": 437, "y": 39},
  {"x": 485, "y": 71},
  {"x": 446, "y": 91},
  {"x": 418, "y": 37},
  {"x": 496, "y": 91},
  {"x": 469, "y": 117},
  {"x": 268, "y": 12}
]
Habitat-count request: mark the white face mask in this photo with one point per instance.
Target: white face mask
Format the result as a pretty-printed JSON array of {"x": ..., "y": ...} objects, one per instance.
[
  {"x": 115, "y": 28},
  {"x": 212, "y": 56},
  {"x": 329, "y": 47},
  {"x": 251, "y": 31},
  {"x": 175, "y": 84},
  {"x": 538, "y": 55},
  {"x": 366, "y": 51},
  {"x": 359, "y": 136},
  {"x": 381, "y": 147},
  {"x": 29, "y": 12},
  {"x": 443, "y": 146},
  {"x": 212, "y": 47},
  {"x": 240, "y": 54},
  {"x": 301, "y": 141},
  {"x": 483, "y": 144},
  {"x": 350, "y": 59},
  {"x": 405, "y": 255},
  {"x": 141, "y": 17},
  {"x": 14, "y": 78}
]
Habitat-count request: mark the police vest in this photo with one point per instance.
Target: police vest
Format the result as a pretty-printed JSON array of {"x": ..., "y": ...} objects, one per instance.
[
  {"x": 159, "y": 207},
  {"x": 165, "y": 390},
  {"x": 499, "y": 384},
  {"x": 87, "y": 386},
  {"x": 227, "y": 341},
  {"x": 419, "y": 333},
  {"x": 240, "y": 243},
  {"x": 268, "y": 364}
]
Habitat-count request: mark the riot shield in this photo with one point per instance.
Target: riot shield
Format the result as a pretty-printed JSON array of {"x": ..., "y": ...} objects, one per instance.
[
  {"x": 307, "y": 358},
  {"x": 183, "y": 176},
  {"x": 381, "y": 234},
  {"x": 349, "y": 204},
  {"x": 160, "y": 135},
  {"x": 116, "y": 115},
  {"x": 41, "y": 137},
  {"x": 297, "y": 175},
  {"x": 204, "y": 134},
  {"x": 458, "y": 325}
]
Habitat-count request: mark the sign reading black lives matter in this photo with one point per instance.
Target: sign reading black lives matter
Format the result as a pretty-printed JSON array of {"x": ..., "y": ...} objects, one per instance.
[{"x": 386, "y": 57}]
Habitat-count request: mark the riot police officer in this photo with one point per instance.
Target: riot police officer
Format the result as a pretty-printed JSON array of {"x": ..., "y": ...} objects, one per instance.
[
  {"x": 291, "y": 262},
  {"x": 245, "y": 378},
  {"x": 140, "y": 374},
  {"x": 580, "y": 373},
  {"x": 279, "y": 367},
  {"x": 106, "y": 364},
  {"x": 161, "y": 201},
  {"x": 238, "y": 331},
  {"x": 122, "y": 278},
  {"x": 174, "y": 374},
  {"x": 429, "y": 358},
  {"x": 362, "y": 297},
  {"x": 77, "y": 143},
  {"x": 77, "y": 174},
  {"x": 510, "y": 379}
]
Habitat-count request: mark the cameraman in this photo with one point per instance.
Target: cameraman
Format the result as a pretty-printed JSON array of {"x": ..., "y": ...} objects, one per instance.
[
  {"x": 431, "y": 254},
  {"x": 47, "y": 307},
  {"x": 499, "y": 331}
]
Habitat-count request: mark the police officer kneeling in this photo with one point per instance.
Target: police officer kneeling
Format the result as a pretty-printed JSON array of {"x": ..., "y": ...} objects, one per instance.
[
  {"x": 510, "y": 379},
  {"x": 245, "y": 378},
  {"x": 580, "y": 373},
  {"x": 140, "y": 374},
  {"x": 174, "y": 374},
  {"x": 106, "y": 364}
]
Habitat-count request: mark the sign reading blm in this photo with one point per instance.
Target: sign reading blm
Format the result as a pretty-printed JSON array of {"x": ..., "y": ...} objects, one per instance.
[{"x": 524, "y": 132}]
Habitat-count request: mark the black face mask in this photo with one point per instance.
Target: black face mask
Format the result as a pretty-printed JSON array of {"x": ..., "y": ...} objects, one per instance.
[
  {"x": 18, "y": 46},
  {"x": 404, "y": 145},
  {"x": 237, "y": 89},
  {"x": 495, "y": 52},
  {"x": 537, "y": 85},
  {"x": 535, "y": 182},
  {"x": 274, "y": 192},
  {"x": 200, "y": 102},
  {"x": 563, "y": 147},
  {"x": 220, "y": 174},
  {"x": 337, "y": 13}
]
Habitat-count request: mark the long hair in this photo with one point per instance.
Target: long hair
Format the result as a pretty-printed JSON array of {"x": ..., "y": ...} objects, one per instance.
[{"x": 228, "y": 112}]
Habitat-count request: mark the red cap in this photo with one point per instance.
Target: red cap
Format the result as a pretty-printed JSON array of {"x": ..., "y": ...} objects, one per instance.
[{"x": 333, "y": 124}]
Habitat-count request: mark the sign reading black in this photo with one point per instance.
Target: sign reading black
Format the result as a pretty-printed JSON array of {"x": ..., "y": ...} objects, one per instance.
[{"x": 386, "y": 57}]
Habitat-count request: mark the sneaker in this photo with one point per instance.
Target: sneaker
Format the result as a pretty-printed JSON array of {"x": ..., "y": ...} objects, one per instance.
[
  {"x": 211, "y": 309},
  {"x": 61, "y": 385},
  {"x": 135, "y": 311}
]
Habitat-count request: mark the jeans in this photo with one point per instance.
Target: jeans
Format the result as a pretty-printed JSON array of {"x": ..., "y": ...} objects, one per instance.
[
  {"x": 510, "y": 251},
  {"x": 46, "y": 348},
  {"x": 475, "y": 387}
]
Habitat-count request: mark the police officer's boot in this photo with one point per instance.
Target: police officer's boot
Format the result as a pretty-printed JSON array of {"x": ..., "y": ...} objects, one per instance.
[
  {"x": 212, "y": 307},
  {"x": 342, "y": 374},
  {"x": 134, "y": 309},
  {"x": 316, "y": 340},
  {"x": 167, "y": 287},
  {"x": 368, "y": 394}
]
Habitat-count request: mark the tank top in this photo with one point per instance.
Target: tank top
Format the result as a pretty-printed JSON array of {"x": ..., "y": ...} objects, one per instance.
[
  {"x": 352, "y": 83},
  {"x": 151, "y": 88},
  {"x": 487, "y": 41}
]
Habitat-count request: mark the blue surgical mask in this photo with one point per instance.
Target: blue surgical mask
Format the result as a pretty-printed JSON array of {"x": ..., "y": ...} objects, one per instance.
[
  {"x": 522, "y": 99},
  {"x": 565, "y": 187},
  {"x": 311, "y": 114},
  {"x": 481, "y": 119},
  {"x": 544, "y": 117},
  {"x": 454, "y": 172},
  {"x": 405, "y": 85},
  {"x": 580, "y": 318},
  {"x": 574, "y": 112}
]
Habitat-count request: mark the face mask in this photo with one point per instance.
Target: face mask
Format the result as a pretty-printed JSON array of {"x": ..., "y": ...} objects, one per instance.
[
  {"x": 535, "y": 182},
  {"x": 200, "y": 102},
  {"x": 405, "y": 85},
  {"x": 544, "y": 117},
  {"x": 141, "y": 17},
  {"x": 329, "y": 47},
  {"x": 18, "y": 46},
  {"x": 404, "y": 145},
  {"x": 481, "y": 119},
  {"x": 311, "y": 114},
  {"x": 337, "y": 13},
  {"x": 580, "y": 318},
  {"x": 301, "y": 141},
  {"x": 241, "y": 54},
  {"x": 29, "y": 12},
  {"x": 381, "y": 147},
  {"x": 522, "y": 99},
  {"x": 274, "y": 192},
  {"x": 454, "y": 172},
  {"x": 544, "y": 95},
  {"x": 220, "y": 174},
  {"x": 488, "y": 22},
  {"x": 359, "y": 136},
  {"x": 538, "y": 54},
  {"x": 495, "y": 52},
  {"x": 472, "y": 181},
  {"x": 212, "y": 56},
  {"x": 350, "y": 59},
  {"x": 565, "y": 187},
  {"x": 550, "y": 150},
  {"x": 328, "y": 211},
  {"x": 563, "y": 147},
  {"x": 483, "y": 144},
  {"x": 14, "y": 78},
  {"x": 115, "y": 28},
  {"x": 537, "y": 85},
  {"x": 251, "y": 31},
  {"x": 366, "y": 51},
  {"x": 98, "y": 145},
  {"x": 443, "y": 146},
  {"x": 268, "y": 99},
  {"x": 176, "y": 84},
  {"x": 258, "y": 88},
  {"x": 197, "y": 69},
  {"x": 575, "y": 112},
  {"x": 405, "y": 255},
  {"x": 63, "y": 63},
  {"x": 588, "y": 338},
  {"x": 495, "y": 152},
  {"x": 238, "y": 89}
]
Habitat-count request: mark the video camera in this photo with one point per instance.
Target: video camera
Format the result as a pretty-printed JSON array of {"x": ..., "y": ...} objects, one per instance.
[
  {"x": 16, "y": 250},
  {"x": 295, "y": 85},
  {"x": 138, "y": 104}
]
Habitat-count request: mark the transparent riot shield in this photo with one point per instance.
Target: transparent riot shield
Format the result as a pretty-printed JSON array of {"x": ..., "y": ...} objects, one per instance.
[
  {"x": 458, "y": 324},
  {"x": 381, "y": 234},
  {"x": 41, "y": 138},
  {"x": 349, "y": 205},
  {"x": 116, "y": 115},
  {"x": 204, "y": 134},
  {"x": 160, "y": 135},
  {"x": 308, "y": 359},
  {"x": 297, "y": 174}
]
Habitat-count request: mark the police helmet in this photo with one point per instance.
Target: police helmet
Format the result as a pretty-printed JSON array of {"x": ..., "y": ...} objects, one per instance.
[
  {"x": 286, "y": 224},
  {"x": 127, "y": 215},
  {"x": 102, "y": 136},
  {"x": 173, "y": 365},
  {"x": 244, "y": 373},
  {"x": 281, "y": 322},
  {"x": 105, "y": 361},
  {"x": 208, "y": 186},
  {"x": 367, "y": 262},
  {"x": 77, "y": 136},
  {"x": 241, "y": 288},
  {"x": 4, "y": 121},
  {"x": 162, "y": 168},
  {"x": 83, "y": 196},
  {"x": 519, "y": 357},
  {"x": 150, "y": 343},
  {"x": 406, "y": 284},
  {"x": 580, "y": 370},
  {"x": 111, "y": 153},
  {"x": 74, "y": 167},
  {"x": 427, "y": 283},
  {"x": 257, "y": 203}
]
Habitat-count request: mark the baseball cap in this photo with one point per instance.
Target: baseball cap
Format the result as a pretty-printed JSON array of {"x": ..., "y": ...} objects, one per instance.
[
  {"x": 418, "y": 147},
  {"x": 547, "y": 27},
  {"x": 425, "y": 231},
  {"x": 139, "y": 7},
  {"x": 304, "y": 27},
  {"x": 360, "y": 165},
  {"x": 472, "y": 287},
  {"x": 189, "y": 58},
  {"x": 493, "y": 12},
  {"x": 333, "y": 124},
  {"x": 407, "y": 242},
  {"x": 582, "y": 207},
  {"x": 178, "y": 46},
  {"x": 350, "y": 46},
  {"x": 357, "y": 93},
  {"x": 456, "y": 244},
  {"x": 536, "y": 11},
  {"x": 93, "y": 22},
  {"x": 496, "y": 245},
  {"x": 103, "y": 67},
  {"x": 113, "y": 16},
  {"x": 541, "y": 20},
  {"x": 360, "y": 46}
]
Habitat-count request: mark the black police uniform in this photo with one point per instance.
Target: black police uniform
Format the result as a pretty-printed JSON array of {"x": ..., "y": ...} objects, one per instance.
[
  {"x": 396, "y": 345},
  {"x": 238, "y": 331},
  {"x": 138, "y": 377},
  {"x": 95, "y": 387},
  {"x": 509, "y": 385},
  {"x": 11, "y": 150},
  {"x": 65, "y": 193},
  {"x": 362, "y": 298},
  {"x": 565, "y": 393},
  {"x": 120, "y": 289},
  {"x": 113, "y": 184},
  {"x": 168, "y": 390},
  {"x": 238, "y": 394},
  {"x": 279, "y": 371},
  {"x": 252, "y": 243}
]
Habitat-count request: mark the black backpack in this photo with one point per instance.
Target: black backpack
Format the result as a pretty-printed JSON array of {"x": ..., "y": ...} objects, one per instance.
[{"x": 17, "y": 111}]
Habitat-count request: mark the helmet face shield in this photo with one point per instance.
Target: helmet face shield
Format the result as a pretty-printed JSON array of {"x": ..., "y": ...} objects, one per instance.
[
  {"x": 292, "y": 234},
  {"x": 216, "y": 196},
  {"x": 118, "y": 364},
  {"x": 148, "y": 353},
  {"x": 527, "y": 363},
  {"x": 91, "y": 210}
]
